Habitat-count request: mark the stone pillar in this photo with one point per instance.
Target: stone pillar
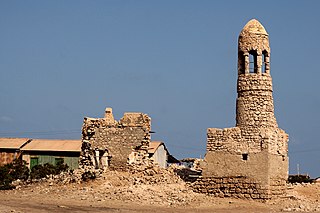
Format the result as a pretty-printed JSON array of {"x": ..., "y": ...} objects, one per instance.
[
  {"x": 246, "y": 63},
  {"x": 267, "y": 64},
  {"x": 97, "y": 153},
  {"x": 259, "y": 64},
  {"x": 108, "y": 115}
]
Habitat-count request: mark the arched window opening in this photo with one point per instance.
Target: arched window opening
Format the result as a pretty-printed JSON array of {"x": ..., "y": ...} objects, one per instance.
[
  {"x": 265, "y": 62},
  {"x": 253, "y": 68},
  {"x": 241, "y": 63}
]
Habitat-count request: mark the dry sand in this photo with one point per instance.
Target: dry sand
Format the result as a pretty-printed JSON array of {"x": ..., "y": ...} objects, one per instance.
[{"x": 156, "y": 192}]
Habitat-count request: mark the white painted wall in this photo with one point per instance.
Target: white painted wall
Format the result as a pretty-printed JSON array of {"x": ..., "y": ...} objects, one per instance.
[{"x": 161, "y": 157}]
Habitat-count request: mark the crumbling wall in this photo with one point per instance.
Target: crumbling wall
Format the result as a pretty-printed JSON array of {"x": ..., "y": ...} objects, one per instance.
[
  {"x": 227, "y": 140},
  {"x": 263, "y": 165},
  {"x": 109, "y": 143},
  {"x": 259, "y": 157}
]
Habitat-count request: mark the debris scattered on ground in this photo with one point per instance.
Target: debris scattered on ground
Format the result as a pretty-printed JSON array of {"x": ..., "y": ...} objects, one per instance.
[{"x": 151, "y": 186}]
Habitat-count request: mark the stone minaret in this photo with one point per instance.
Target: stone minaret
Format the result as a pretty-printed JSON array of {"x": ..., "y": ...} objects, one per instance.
[
  {"x": 251, "y": 159},
  {"x": 254, "y": 103}
]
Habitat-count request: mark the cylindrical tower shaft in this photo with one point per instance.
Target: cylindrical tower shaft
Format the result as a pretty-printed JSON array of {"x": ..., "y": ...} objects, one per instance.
[{"x": 255, "y": 102}]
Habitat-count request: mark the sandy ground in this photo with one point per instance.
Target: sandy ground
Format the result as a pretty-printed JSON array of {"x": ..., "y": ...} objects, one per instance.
[
  {"x": 123, "y": 192},
  {"x": 46, "y": 203}
]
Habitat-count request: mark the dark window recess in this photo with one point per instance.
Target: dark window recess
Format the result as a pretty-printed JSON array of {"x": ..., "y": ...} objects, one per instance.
[
  {"x": 253, "y": 66},
  {"x": 264, "y": 61},
  {"x": 58, "y": 161},
  {"x": 244, "y": 156}
]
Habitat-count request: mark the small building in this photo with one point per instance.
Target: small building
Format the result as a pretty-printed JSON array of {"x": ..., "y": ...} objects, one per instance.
[
  {"x": 160, "y": 154},
  {"x": 10, "y": 149},
  {"x": 42, "y": 151}
]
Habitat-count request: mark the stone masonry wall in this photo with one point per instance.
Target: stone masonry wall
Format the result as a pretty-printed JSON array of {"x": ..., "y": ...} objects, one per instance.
[
  {"x": 116, "y": 138},
  {"x": 238, "y": 140},
  {"x": 228, "y": 140},
  {"x": 260, "y": 155},
  {"x": 238, "y": 186},
  {"x": 255, "y": 101}
]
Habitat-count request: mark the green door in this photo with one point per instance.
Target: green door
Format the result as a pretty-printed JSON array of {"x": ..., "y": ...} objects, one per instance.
[{"x": 33, "y": 162}]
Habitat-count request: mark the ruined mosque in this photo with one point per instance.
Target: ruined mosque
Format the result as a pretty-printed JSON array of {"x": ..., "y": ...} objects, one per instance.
[{"x": 249, "y": 160}]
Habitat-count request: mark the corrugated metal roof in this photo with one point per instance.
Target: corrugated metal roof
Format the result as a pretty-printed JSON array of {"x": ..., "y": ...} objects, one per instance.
[
  {"x": 153, "y": 146},
  {"x": 53, "y": 145},
  {"x": 12, "y": 143}
]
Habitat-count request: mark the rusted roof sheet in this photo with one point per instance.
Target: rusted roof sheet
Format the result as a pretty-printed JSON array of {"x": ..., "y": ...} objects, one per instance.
[
  {"x": 53, "y": 145},
  {"x": 153, "y": 146},
  {"x": 12, "y": 143}
]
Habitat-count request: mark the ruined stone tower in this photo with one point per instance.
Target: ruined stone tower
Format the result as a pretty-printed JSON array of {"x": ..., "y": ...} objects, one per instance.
[
  {"x": 251, "y": 159},
  {"x": 108, "y": 143}
]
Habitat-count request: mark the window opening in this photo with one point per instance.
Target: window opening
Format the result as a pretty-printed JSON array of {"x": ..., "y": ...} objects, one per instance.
[
  {"x": 104, "y": 159},
  {"x": 264, "y": 62},
  {"x": 96, "y": 158},
  {"x": 244, "y": 156},
  {"x": 252, "y": 62}
]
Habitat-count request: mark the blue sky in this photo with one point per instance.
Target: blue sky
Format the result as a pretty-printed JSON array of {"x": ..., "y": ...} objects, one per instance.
[{"x": 174, "y": 60}]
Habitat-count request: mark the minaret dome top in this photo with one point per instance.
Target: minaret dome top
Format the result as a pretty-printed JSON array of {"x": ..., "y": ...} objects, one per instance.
[
  {"x": 253, "y": 27},
  {"x": 253, "y": 49}
]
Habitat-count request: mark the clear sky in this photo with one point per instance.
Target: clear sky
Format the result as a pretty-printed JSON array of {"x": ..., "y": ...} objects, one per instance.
[{"x": 175, "y": 60}]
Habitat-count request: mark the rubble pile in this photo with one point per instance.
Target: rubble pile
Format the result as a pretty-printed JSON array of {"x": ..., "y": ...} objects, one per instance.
[
  {"x": 301, "y": 198},
  {"x": 189, "y": 175},
  {"x": 148, "y": 186},
  {"x": 151, "y": 186}
]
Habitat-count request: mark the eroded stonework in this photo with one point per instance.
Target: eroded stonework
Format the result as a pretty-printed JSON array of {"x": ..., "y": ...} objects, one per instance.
[
  {"x": 107, "y": 143},
  {"x": 251, "y": 159}
]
